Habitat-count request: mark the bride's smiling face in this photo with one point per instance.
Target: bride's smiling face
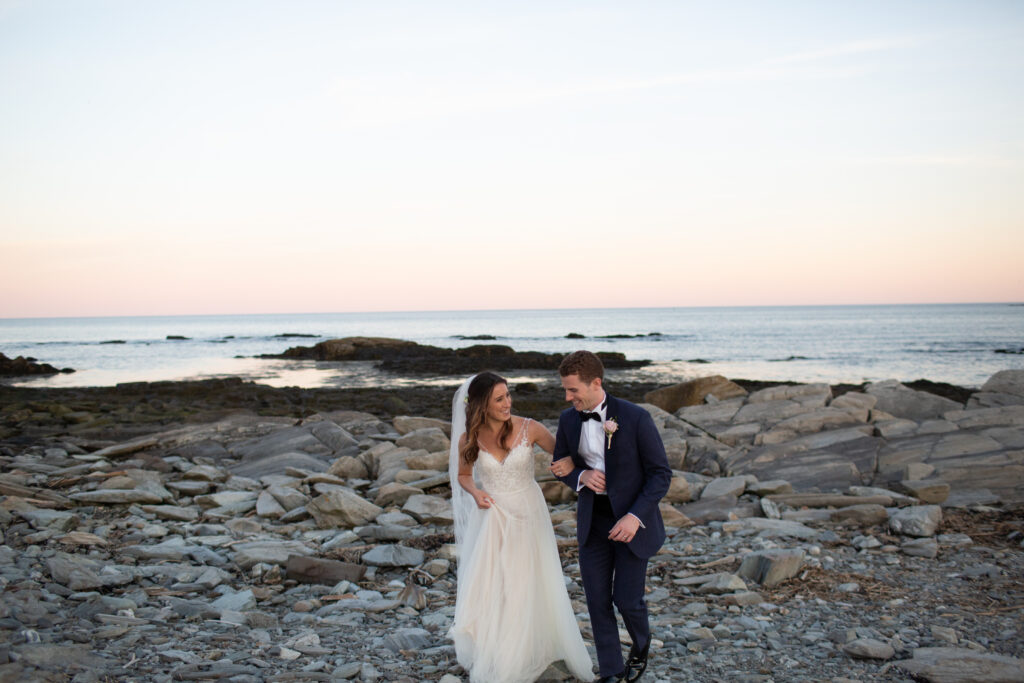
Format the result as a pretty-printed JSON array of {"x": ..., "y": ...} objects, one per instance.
[{"x": 499, "y": 403}]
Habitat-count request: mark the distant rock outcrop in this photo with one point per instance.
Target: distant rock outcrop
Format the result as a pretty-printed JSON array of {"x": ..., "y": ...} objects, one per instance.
[
  {"x": 13, "y": 367},
  {"x": 401, "y": 356}
]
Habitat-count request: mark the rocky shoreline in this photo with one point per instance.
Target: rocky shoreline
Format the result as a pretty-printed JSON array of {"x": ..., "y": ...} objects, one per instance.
[{"x": 231, "y": 531}]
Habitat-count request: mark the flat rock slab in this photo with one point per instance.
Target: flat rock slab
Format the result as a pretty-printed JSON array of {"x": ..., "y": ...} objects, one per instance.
[
  {"x": 824, "y": 461},
  {"x": 278, "y": 463},
  {"x": 869, "y": 648},
  {"x": 327, "y": 572},
  {"x": 173, "y": 512},
  {"x": 772, "y": 487},
  {"x": 59, "y": 657},
  {"x": 715, "y": 510},
  {"x": 271, "y": 552},
  {"x": 961, "y": 665},
  {"x": 824, "y": 500},
  {"x": 770, "y": 528},
  {"x": 927, "y": 490},
  {"x": 393, "y": 556},
  {"x": 726, "y": 486},
  {"x": 920, "y": 547},
  {"x": 860, "y": 515},
  {"x": 722, "y": 583},
  {"x": 116, "y": 496},
  {"x": 896, "y": 399}
]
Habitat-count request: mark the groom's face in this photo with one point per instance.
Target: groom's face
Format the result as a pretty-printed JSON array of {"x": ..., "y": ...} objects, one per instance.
[{"x": 582, "y": 395}]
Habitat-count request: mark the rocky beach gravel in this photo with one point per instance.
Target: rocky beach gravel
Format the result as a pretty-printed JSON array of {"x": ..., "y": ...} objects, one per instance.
[{"x": 871, "y": 535}]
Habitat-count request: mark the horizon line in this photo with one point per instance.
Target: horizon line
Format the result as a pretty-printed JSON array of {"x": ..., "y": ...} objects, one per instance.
[{"x": 510, "y": 310}]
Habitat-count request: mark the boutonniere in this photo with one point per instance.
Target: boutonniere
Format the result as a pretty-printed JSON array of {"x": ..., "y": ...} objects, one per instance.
[{"x": 610, "y": 427}]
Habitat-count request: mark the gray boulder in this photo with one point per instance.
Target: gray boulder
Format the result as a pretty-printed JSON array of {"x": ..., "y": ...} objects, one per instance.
[
  {"x": 79, "y": 573},
  {"x": 678, "y": 490},
  {"x": 342, "y": 507},
  {"x": 921, "y": 520},
  {"x": 857, "y": 404},
  {"x": 404, "y": 424},
  {"x": 429, "y": 509},
  {"x": 693, "y": 392},
  {"x": 348, "y": 467},
  {"x": 1005, "y": 388},
  {"x": 722, "y": 583},
  {"x": 395, "y": 494},
  {"x": 334, "y": 437},
  {"x": 771, "y": 567},
  {"x": 430, "y": 439}
]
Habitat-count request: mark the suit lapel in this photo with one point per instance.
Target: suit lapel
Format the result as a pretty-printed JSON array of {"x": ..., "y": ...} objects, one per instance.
[{"x": 574, "y": 434}]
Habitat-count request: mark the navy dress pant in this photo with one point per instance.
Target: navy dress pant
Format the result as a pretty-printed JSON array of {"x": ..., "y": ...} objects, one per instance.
[{"x": 612, "y": 576}]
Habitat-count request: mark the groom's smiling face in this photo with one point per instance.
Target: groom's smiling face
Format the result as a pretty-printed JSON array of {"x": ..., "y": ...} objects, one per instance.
[{"x": 582, "y": 395}]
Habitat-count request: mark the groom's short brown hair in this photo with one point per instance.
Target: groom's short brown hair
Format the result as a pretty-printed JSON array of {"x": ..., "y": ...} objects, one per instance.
[{"x": 584, "y": 364}]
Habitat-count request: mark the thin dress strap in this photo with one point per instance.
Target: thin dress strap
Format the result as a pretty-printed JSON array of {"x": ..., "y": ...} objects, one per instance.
[{"x": 524, "y": 431}]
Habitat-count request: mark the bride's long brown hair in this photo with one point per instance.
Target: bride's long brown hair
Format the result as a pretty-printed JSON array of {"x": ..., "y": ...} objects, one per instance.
[{"x": 477, "y": 396}]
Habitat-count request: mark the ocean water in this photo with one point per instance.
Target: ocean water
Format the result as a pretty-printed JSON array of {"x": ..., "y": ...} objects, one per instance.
[{"x": 955, "y": 343}]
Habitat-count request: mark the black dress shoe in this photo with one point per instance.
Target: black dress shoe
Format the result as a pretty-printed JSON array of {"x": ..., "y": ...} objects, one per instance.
[
  {"x": 636, "y": 665},
  {"x": 613, "y": 679}
]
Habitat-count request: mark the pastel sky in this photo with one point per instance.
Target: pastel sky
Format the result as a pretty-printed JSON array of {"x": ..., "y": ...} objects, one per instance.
[{"x": 214, "y": 156}]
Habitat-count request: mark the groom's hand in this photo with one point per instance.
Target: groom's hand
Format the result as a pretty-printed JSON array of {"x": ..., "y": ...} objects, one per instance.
[
  {"x": 593, "y": 480},
  {"x": 625, "y": 529}
]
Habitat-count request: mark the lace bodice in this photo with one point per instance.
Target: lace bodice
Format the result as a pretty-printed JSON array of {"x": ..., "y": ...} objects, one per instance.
[{"x": 514, "y": 472}]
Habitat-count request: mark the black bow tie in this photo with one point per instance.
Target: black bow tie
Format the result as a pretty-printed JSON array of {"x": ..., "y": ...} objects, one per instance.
[{"x": 584, "y": 415}]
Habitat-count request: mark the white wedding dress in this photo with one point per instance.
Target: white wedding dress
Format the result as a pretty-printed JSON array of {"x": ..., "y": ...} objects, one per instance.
[{"x": 512, "y": 613}]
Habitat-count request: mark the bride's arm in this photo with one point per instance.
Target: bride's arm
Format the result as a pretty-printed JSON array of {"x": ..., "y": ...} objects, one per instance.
[
  {"x": 540, "y": 435},
  {"x": 465, "y": 478}
]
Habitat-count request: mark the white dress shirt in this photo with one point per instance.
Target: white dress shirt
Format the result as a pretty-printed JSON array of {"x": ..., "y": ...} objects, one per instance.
[
  {"x": 592, "y": 439},
  {"x": 592, "y": 443}
]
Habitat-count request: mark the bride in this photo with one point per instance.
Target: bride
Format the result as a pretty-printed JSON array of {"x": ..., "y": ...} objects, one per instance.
[{"x": 512, "y": 612}]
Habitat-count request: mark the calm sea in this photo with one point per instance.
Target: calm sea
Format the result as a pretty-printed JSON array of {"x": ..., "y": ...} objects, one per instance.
[{"x": 955, "y": 343}]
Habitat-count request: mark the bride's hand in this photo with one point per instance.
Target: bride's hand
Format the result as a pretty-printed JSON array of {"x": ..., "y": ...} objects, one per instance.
[
  {"x": 561, "y": 467},
  {"x": 483, "y": 500}
]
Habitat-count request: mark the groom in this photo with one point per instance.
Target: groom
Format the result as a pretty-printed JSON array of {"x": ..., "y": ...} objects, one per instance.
[{"x": 617, "y": 465}]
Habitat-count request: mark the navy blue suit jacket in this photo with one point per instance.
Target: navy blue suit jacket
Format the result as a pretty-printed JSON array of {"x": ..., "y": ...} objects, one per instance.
[{"x": 637, "y": 474}]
